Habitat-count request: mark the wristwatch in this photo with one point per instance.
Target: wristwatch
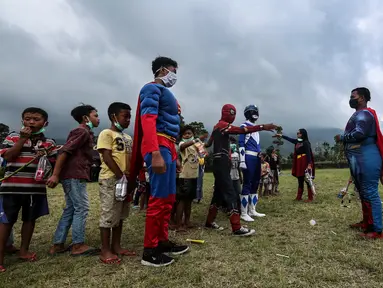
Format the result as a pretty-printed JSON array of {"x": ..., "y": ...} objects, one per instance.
[{"x": 261, "y": 126}]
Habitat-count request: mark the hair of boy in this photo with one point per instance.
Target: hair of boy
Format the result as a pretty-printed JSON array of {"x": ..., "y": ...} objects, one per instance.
[
  {"x": 115, "y": 108},
  {"x": 35, "y": 110},
  {"x": 160, "y": 62},
  {"x": 79, "y": 112},
  {"x": 233, "y": 140},
  {"x": 186, "y": 128}
]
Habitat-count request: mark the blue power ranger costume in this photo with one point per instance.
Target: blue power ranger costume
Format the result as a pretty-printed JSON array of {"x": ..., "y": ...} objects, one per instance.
[{"x": 250, "y": 163}]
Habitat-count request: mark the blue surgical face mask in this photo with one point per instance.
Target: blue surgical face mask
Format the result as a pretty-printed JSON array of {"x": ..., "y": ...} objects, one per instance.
[
  {"x": 300, "y": 140},
  {"x": 89, "y": 123},
  {"x": 233, "y": 147},
  {"x": 117, "y": 124}
]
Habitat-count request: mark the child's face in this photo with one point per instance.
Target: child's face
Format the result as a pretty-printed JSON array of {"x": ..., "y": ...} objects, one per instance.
[
  {"x": 93, "y": 117},
  {"x": 187, "y": 134},
  {"x": 123, "y": 117},
  {"x": 35, "y": 121}
]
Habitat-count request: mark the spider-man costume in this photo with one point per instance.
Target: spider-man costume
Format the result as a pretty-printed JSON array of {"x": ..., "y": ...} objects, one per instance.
[
  {"x": 363, "y": 143},
  {"x": 156, "y": 127},
  {"x": 223, "y": 186}
]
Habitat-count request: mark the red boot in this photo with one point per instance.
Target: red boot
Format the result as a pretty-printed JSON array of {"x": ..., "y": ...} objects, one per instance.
[
  {"x": 310, "y": 194},
  {"x": 235, "y": 221},
  {"x": 363, "y": 225},
  {"x": 299, "y": 194}
]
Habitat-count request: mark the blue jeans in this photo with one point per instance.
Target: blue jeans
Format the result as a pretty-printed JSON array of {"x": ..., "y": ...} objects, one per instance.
[{"x": 75, "y": 212}]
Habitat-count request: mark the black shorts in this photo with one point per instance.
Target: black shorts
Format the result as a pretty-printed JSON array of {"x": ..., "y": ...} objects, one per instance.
[
  {"x": 33, "y": 207},
  {"x": 187, "y": 189}
]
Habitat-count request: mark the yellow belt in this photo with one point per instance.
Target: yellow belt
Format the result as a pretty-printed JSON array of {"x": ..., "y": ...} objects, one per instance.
[
  {"x": 167, "y": 137},
  {"x": 301, "y": 155}
]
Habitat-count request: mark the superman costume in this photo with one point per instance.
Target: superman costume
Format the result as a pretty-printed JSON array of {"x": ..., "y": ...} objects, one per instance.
[
  {"x": 363, "y": 142},
  {"x": 156, "y": 129},
  {"x": 303, "y": 156},
  {"x": 223, "y": 187}
]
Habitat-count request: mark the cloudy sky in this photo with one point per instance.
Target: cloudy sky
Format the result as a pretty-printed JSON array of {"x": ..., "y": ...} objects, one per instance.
[{"x": 297, "y": 60}]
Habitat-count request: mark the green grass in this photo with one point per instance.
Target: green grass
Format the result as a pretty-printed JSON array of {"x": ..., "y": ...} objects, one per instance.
[{"x": 328, "y": 254}]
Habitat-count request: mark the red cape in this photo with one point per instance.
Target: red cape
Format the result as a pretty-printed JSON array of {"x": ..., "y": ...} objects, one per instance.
[
  {"x": 379, "y": 136},
  {"x": 137, "y": 161}
]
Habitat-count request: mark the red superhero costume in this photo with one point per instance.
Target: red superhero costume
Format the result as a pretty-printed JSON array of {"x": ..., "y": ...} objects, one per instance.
[
  {"x": 156, "y": 127},
  {"x": 223, "y": 187},
  {"x": 303, "y": 156}
]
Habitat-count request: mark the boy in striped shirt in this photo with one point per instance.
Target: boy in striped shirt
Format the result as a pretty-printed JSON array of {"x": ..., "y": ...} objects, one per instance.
[{"x": 21, "y": 191}]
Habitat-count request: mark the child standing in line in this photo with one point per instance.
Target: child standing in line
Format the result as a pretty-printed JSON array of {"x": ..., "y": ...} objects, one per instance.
[
  {"x": 73, "y": 170},
  {"x": 23, "y": 191},
  {"x": 188, "y": 177},
  {"x": 235, "y": 173},
  {"x": 265, "y": 176},
  {"x": 115, "y": 148}
]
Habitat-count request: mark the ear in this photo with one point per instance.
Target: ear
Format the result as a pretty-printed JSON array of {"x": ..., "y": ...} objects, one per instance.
[{"x": 46, "y": 124}]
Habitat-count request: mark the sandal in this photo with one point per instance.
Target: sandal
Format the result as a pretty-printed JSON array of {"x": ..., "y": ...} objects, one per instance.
[
  {"x": 112, "y": 260},
  {"x": 58, "y": 252},
  {"x": 29, "y": 258},
  {"x": 2, "y": 269}
]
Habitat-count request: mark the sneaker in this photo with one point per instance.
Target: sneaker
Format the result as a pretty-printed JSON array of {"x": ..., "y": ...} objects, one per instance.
[
  {"x": 244, "y": 232},
  {"x": 214, "y": 226},
  {"x": 172, "y": 248},
  {"x": 155, "y": 259}
]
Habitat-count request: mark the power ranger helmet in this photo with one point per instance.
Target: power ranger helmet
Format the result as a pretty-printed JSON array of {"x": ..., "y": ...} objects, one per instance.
[{"x": 251, "y": 113}]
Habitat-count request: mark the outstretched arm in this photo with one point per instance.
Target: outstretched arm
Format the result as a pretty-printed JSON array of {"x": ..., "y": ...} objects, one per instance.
[
  {"x": 235, "y": 130},
  {"x": 291, "y": 140}
]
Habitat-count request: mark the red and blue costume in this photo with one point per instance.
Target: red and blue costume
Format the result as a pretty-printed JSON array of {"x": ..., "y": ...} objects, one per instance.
[
  {"x": 363, "y": 143},
  {"x": 156, "y": 129}
]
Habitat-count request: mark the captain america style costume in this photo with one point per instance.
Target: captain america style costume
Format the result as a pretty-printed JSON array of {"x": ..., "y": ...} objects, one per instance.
[
  {"x": 363, "y": 142},
  {"x": 156, "y": 129},
  {"x": 223, "y": 187},
  {"x": 249, "y": 149}
]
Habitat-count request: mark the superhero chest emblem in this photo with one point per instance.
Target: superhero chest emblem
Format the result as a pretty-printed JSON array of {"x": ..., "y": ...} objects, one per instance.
[{"x": 192, "y": 159}]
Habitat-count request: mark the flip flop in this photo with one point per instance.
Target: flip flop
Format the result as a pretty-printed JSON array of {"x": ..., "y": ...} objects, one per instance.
[
  {"x": 2, "y": 269},
  {"x": 90, "y": 252},
  {"x": 56, "y": 253},
  {"x": 127, "y": 252},
  {"x": 112, "y": 260},
  {"x": 31, "y": 258}
]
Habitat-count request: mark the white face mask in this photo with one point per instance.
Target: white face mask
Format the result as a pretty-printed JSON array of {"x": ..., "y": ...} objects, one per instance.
[{"x": 169, "y": 79}]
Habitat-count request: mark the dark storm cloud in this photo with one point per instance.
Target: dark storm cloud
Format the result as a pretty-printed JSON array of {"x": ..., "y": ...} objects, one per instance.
[{"x": 296, "y": 60}]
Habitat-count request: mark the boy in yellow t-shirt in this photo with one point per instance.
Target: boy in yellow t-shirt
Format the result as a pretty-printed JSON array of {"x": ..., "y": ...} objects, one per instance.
[{"x": 115, "y": 148}]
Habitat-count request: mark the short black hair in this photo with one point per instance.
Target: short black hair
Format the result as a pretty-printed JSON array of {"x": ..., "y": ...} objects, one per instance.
[
  {"x": 80, "y": 111},
  {"x": 160, "y": 62},
  {"x": 364, "y": 92},
  {"x": 116, "y": 107},
  {"x": 185, "y": 128},
  {"x": 233, "y": 140},
  {"x": 35, "y": 110}
]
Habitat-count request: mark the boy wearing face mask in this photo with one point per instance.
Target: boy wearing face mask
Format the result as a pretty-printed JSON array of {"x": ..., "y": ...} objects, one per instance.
[
  {"x": 73, "y": 170},
  {"x": 21, "y": 191},
  {"x": 156, "y": 129},
  {"x": 188, "y": 177},
  {"x": 115, "y": 148},
  {"x": 235, "y": 173}
]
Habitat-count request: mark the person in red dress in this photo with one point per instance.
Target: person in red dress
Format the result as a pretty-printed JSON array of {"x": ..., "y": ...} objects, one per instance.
[{"x": 303, "y": 160}]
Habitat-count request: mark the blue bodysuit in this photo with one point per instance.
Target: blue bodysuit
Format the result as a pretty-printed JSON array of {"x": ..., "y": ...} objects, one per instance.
[{"x": 365, "y": 161}]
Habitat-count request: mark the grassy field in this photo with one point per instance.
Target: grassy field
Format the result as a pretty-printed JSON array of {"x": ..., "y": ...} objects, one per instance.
[{"x": 328, "y": 254}]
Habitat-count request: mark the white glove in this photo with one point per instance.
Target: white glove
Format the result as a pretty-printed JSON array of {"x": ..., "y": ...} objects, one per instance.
[{"x": 242, "y": 165}]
